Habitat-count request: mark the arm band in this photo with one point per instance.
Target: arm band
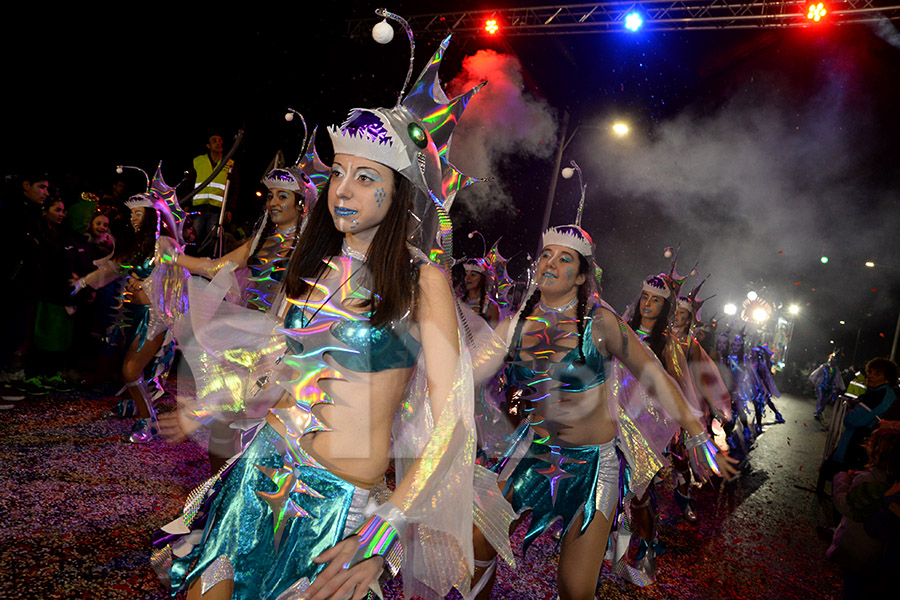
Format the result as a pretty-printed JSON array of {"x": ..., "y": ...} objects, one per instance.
[
  {"x": 702, "y": 453},
  {"x": 380, "y": 535}
]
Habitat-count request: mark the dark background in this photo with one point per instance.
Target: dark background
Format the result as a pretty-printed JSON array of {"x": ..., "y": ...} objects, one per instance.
[{"x": 757, "y": 151}]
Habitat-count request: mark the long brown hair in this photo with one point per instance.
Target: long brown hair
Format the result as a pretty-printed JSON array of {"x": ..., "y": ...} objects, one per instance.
[{"x": 391, "y": 274}]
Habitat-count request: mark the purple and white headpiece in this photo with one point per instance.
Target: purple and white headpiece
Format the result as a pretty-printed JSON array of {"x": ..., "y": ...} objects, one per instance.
[
  {"x": 657, "y": 285},
  {"x": 412, "y": 140},
  {"x": 475, "y": 264},
  {"x": 569, "y": 236},
  {"x": 142, "y": 200}
]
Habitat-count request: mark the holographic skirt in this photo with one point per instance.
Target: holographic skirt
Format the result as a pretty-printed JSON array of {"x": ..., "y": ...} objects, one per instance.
[
  {"x": 268, "y": 518},
  {"x": 560, "y": 482}
]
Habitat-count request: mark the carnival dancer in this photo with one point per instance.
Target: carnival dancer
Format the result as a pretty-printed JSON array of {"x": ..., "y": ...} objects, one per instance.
[
  {"x": 564, "y": 348},
  {"x": 765, "y": 387},
  {"x": 829, "y": 384},
  {"x": 708, "y": 385},
  {"x": 707, "y": 376},
  {"x": 291, "y": 191},
  {"x": 650, "y": 315},
  {"x": 145, "y": 334},
  {"x": 479, "y": 290},
  {"x": 372, "y": 339}
]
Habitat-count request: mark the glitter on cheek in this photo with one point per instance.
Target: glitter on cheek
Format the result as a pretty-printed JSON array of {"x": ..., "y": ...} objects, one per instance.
[
  {"x": 569, "y": 273},
  {"x": 354, "y": 223},
  {"x": 380, "y": 196}
]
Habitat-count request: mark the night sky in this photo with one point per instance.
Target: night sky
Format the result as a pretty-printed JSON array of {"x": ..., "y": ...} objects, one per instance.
[{"x": 757, "y": 151}]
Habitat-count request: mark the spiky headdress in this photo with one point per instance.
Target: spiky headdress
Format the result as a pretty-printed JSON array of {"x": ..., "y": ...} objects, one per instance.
[
  {"x": 161, "y": 197},
  {"x": 690, "y": 301},
  {"x": 413, "y": 138},
  {"x": 308, "y": 175}
]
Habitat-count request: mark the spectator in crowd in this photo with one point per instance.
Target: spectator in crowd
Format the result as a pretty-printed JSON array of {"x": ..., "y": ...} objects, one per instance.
[
  {"x": 859, "y": 497},
  {"x": 861, "y": 419},
  {"x": 19, "y": 269},
  {"x": 60, "y": 257}
]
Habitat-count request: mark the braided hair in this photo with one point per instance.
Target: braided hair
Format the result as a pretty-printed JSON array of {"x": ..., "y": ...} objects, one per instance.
[{"x": 581, "y": 310}]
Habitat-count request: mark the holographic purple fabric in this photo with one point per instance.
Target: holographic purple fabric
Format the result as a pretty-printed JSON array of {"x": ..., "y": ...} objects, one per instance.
[{"x": 366, "y": 123}]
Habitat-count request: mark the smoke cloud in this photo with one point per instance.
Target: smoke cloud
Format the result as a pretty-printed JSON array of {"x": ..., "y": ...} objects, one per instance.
[
  {"x": 761, "y": 186},
  {"x": 502, "y": 120},
  {"x": 887, "y": 31}
]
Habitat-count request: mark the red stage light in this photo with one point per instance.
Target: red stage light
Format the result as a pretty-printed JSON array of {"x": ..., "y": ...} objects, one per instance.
[
  {"x": 491, "y": 26},
  {"x": 815, "y": 12}
]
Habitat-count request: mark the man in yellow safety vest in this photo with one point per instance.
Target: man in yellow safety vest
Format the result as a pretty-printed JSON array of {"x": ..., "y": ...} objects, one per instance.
[{"x": 208, "y": 201}]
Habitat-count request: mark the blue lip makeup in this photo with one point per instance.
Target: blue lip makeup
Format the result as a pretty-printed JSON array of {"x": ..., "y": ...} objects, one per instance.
[{"x": 343, "y": 212}]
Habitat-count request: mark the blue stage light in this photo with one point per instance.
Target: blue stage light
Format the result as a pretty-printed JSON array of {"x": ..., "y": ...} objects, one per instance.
[{"x": 633, "y": 21}]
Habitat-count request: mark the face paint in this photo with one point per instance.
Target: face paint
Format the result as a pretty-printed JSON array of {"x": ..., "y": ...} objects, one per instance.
[
  {"x": 359, "y": 193},
  {"x": 651, "y": 305},
  {"x": 380, "y": 195},
  {"x": 556, "y": 270}
]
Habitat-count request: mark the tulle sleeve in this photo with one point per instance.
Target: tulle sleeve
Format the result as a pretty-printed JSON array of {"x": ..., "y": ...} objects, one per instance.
[
  {"x": 709, "y": 382},
  {"x": 233, "y": 352}
]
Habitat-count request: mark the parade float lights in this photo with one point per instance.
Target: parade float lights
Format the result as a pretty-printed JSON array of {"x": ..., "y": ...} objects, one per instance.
[
  {"x": 751, "y": 295},
  {"x": 824, "y": 260},
  {"x": 870, "y": 264},
  {"x": 730, "y": 309},
  {"x": 760, "y": 315}
]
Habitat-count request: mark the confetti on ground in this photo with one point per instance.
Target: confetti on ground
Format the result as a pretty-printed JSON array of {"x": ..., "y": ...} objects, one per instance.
[{"x": 80, "y": 505}]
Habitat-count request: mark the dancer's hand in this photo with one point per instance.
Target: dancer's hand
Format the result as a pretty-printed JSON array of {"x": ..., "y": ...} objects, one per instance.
[
  {"x": 724, "y": 462},
  {"x": 170, "y": 428},
  {"x": 337, "y": 583}
]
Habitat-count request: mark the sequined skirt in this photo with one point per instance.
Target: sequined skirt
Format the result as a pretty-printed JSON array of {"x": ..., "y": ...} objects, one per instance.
[
  {"x": 562, "y": 482},
  {"x": 268, "y": 517}
]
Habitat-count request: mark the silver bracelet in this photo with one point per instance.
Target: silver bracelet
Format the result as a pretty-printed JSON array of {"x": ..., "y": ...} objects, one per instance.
[{"x": 695, "y": 441}]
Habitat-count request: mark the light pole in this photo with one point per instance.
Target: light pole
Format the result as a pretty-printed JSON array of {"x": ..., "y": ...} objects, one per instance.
[
  {"x": 619, "y": 128},
  {"x": 794, "y": 310}
]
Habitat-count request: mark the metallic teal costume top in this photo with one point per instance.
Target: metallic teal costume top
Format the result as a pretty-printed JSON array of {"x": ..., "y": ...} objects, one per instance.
[
  {"x": 557, "y": 481},
  {"x": 370, "y": 349},
  {"x": 572, "y": 374},
  {"x": 269, "y": 513}
]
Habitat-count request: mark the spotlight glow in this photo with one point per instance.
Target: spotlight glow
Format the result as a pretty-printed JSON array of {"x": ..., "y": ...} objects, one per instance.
[
  {"x": 730, "y": 309},
  {"x": 620, "y": 129},
  {"x": 794, "y": 309},
  {"x": 751, "y": 296},
  {"x": 870, "y": 264},
  {"x": 633, "y": 21},
  {"x": 824, "y": 260},
  {"x": 815, "y": 12},
  {"x": 491, "y": 26},
  {"x": 760, "y": 315}
]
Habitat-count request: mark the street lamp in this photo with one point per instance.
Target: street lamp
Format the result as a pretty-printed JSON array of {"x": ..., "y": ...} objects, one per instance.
[{"x": 563, "y": 144}]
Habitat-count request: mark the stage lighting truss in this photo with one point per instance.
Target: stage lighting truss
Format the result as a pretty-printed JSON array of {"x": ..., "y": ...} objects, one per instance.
[{"x": 610, "y": 17}]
